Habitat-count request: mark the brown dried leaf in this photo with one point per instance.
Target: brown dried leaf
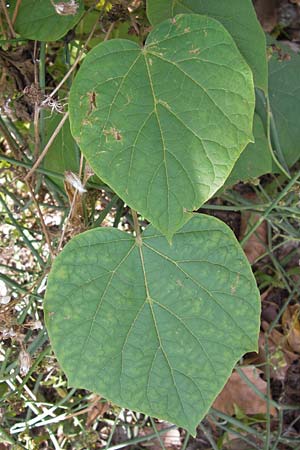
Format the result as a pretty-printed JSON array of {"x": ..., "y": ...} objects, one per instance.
[
  {"x": 97, "y": 409},
  {"x": 239, "y": 444},
  {"x": 237, "y": 392},
  {"x": 170, "y": 439},
  {"x": 256, "y": 245},
  {"x": 266, "y": 11},
  {"x": 25, "y": 362},
  {"x": 280, "y": 355},
  {"x": 291, "y": 324}
]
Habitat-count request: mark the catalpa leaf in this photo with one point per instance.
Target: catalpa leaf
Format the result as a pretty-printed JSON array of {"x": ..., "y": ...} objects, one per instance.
[
  {"x": 150, "y": 326},
  {"x": 164, "y": 125},
  {"x": 46, "y": 20},
  {"x": 237, "y": 16}
]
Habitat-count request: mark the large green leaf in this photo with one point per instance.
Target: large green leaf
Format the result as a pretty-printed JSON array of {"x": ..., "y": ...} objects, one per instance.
[
  {"x": 63, "y": 154},
  {"x": 164, "y": 125},
  {"x": 38, "y": 19},
  {"x": 153, "y": 327},
  {"x": 284, "y": 95},
  {"x": 238, "y": 16},
  {"x": 256, "y": 159}
]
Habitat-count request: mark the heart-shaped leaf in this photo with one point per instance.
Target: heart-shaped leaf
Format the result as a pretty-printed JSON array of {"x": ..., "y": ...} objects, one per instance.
[
  {"x": 41, "y": 20},
  {"x": 153, "y": 327},
  {"x": 164, "y": 125},
  {"x": 237, "y": 16}
]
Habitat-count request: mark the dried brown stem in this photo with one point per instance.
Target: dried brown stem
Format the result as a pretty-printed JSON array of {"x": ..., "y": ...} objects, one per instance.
[
  {"x": 71, "y": 208},
  {"x": 108, "y": 33},
  {"x": 3, "y": 31},
  {"x": 10, "y": 26},
  {"x": 16, "y": 10},
  {"x": 49, "y": 143},
  {"x": 77, "y": 60},
  {"x": 10, "y": 140}
]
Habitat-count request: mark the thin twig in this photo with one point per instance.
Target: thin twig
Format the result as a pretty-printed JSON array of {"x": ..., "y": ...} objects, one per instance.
[
  {"x": 16, "y": 10},
  {"x": 71, "y": 208},
  {"x": 108, "y": 33},
  {"x": 48, "y": 145},
  {"x": 77, "y": 60},
  {"x": 272, "y": 206},
  {"x": 11, "y": 28},
  {"x": 3, "y": 31},
  {"x": 9, "y": 139},
  {"x": 45, "y": 231}
]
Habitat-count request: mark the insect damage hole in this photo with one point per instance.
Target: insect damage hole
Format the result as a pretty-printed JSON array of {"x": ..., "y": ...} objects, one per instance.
[
  {"x": 92, "y": 102},
  {"x": 194, "y": 51},
  {"x": 114, "y": 133}
]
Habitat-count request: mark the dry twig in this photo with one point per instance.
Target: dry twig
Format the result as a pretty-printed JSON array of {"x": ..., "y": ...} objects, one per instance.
[
  {"x": 47, "y": 146},
  {"x": 10, "y": 26}
]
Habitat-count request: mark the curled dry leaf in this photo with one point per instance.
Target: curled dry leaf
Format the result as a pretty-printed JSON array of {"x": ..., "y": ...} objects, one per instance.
[
  {"x": 97, "y": 408},
  {"x": 74, "y": 181},
  {"x": 236, "y": 392},
  {"x": 25, "y": 362},
  {"x": 66, "y": 8}
]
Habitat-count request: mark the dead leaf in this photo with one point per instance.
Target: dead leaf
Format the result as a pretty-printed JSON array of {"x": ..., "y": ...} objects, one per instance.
[
  {"x": 171, "y": 439},
  {"x": 280, "y": 355},
  {"x": 256, "y": 245},
  {"x": 236, "y": 392},
  {"x": 239, "y": 444},
  {"x": 266, "y": 11},
  {"x": 291, "y": 325},
  {"x": 97, "y": 409}
]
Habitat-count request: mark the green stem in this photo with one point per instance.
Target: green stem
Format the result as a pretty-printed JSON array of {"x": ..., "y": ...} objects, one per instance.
[
  {"x": 272, "y": 135},
  {"x": 140, "y": 439},
  {"x": 26, "y": 240},
  {"x": 9, "y": 139},
  {"x": 42, "y": 81},
  {"x": 208, "y": 436},
  {"x": 270, "y": 208},
  {"x": 237, "y": 423},
  {"x": 105, "y": 211},
  {"x": 119, "y": 212},
  {"x": 50, "y": 173},
  {"x": 157, "y": 435},
  {"x": 11, "y": 283}
]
